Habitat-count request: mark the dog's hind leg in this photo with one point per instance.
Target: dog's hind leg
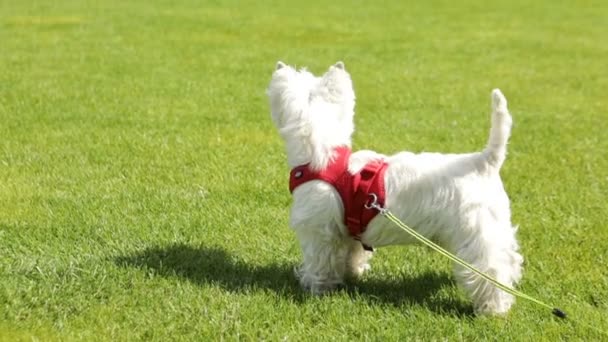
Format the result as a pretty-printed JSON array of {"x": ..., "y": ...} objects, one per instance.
[{"x": 492, "y": 248}]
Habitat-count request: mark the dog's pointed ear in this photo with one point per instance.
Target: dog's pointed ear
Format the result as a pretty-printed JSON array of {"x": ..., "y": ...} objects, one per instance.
[
  {"x": 280, "y": 65},
  {"x": 339, "y": 65}
]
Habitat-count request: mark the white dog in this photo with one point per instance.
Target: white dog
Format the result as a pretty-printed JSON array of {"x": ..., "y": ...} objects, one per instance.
[{"x": 457, "y": 200}]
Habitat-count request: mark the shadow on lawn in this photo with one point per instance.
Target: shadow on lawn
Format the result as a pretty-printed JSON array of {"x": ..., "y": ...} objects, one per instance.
[{"x": 205, "y": 266}]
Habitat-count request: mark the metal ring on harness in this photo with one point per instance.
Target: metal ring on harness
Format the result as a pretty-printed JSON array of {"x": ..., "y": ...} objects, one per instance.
[{"x": 373, "y": 203}]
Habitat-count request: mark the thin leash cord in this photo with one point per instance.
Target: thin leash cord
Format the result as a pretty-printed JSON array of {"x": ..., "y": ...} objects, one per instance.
[
  {"x": 557, "y": 312},
  {"x": 554, "y": 310},
  {"x": 386, "y": 213}
]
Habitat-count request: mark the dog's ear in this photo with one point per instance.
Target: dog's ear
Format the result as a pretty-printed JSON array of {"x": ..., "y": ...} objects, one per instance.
[
  {"x": 280, "y": 65},
  {"x": 339, "y": 65}
]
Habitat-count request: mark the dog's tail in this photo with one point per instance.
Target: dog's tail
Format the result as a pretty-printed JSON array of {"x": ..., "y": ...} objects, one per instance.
[{"x": 496, "y": 151}]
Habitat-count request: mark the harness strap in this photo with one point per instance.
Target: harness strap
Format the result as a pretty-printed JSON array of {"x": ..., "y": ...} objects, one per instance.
[
  {"x": 354, "y": 189},
  {"x": 369, "y": 180}
]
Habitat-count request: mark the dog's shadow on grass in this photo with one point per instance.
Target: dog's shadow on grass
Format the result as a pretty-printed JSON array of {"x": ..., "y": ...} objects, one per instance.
[{"x": 214, "y": 266}]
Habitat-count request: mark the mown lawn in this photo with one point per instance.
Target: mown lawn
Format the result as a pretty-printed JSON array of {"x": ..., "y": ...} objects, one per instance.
[{"x": 143, "y": 188}]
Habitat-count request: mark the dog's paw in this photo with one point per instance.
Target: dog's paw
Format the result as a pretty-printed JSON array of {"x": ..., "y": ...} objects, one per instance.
[
  {"x": 499, "y": 102},
  {"x": 359, "y": 270}
]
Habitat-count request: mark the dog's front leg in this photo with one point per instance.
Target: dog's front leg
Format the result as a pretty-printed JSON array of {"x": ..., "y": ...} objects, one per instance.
[
  {"x": 358, "y": 259},
  {"x": 324, "y": 258}
]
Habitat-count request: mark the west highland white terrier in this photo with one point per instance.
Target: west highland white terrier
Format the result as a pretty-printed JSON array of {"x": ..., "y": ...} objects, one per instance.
[{"x": 457, "y": 200}]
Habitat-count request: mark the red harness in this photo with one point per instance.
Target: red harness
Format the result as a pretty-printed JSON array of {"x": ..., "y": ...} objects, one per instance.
[{"x": 354, "y": 189}]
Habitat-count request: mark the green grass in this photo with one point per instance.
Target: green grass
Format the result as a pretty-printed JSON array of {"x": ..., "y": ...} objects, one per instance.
[{"x": 143, "y": 189}]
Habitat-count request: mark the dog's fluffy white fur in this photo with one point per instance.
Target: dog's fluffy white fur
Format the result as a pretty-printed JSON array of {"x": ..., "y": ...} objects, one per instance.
[{"x": 455, "y": 199}]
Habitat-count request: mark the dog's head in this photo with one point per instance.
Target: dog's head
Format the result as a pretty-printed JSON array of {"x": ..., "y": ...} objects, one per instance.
[
  {"x": 335, "y": 88},
  {"x": 315, "y": 113},
  {"x": 289, "y": 94}
]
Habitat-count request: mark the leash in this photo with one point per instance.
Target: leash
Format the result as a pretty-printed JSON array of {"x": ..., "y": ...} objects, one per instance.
[
  {"x": 386, "y": 213},
  {"x": 373, "y": 204}
]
